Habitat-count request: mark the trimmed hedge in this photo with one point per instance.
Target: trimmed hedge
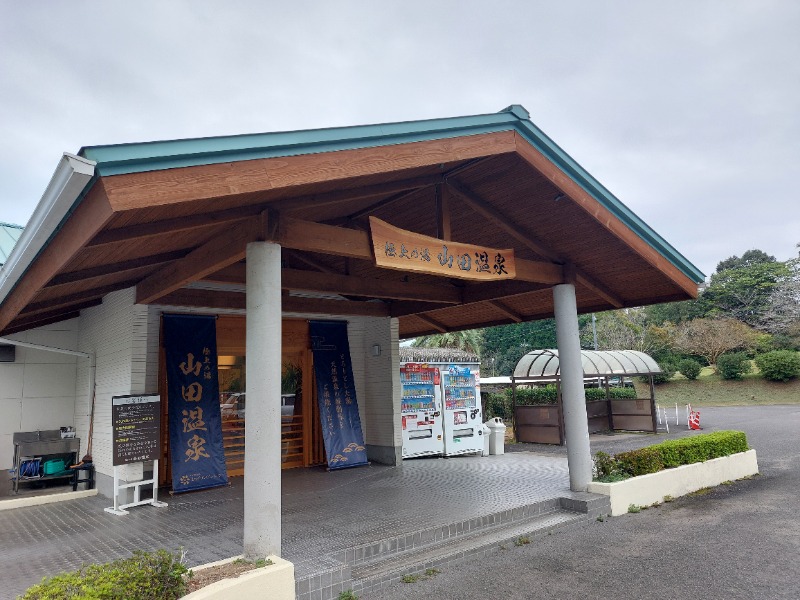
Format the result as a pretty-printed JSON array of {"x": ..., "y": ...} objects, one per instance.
[
  {"x": 501, "y": 405},
  {"x": 144, "y": 576},
  {"x": 689, "y": 368},
  {"x": 733, "y": 365},
  {"x": 669, "y": 454}
]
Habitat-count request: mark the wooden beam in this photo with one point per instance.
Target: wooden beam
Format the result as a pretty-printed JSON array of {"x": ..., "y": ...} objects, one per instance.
[
  {"x": 235, "y": 274},
  {"x": 402, "y": 186},
  {"x": 516, "y": 231},
  {"x": 602, "y": 215},
  {"x": 69, "y": 299},
  {"x": 38, "y": 321},
  {"x": 170, "y": 226},
  {"x": 292, "y": 279},
  {"x": 502, "y": 308},
  {"x": 327, "y": 239},
  {"x": 238, "y": 301},
  {"x": 91, "y": 215},
  {"x": 118, "y": 267},
  {"x": 248, "y": 179},
  {"x": 219, "y": 252},
  {"x": 598, "y": 289},
  {"x": 443, "y": 231},
  {"x": 319, "y": 266},
  {"x": 432, "y": 322},
  {"x": 519, "y": 233},
  {"x": 294, "y": 304}
]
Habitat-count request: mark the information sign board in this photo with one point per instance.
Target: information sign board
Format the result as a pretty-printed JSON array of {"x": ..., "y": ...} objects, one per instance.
[{"x": 136, "y": 428}]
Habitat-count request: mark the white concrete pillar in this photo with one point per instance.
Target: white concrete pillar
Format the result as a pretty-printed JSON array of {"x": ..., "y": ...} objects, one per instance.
[
  {"x": 262, "y": 462},
  {"x": 576, "y": 423}
]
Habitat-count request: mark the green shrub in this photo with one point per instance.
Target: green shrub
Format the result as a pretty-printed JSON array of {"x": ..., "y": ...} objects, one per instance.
[
  {"x": 668, "y": 454},
  {"x": 533, "y": 396},
  {"x": 499, "y": 405},
  {"x": 779, "y": 365},
  {"x": 548, "y": 395},
  {"x": 733, "y": 365},
  {"x": 689, "y": 368},
  {"x": 144, "y": 576},
  {"x": 640, "y": 462},
  {"x": 699, "y": 448},
  {"x": 668, "y": 370}
]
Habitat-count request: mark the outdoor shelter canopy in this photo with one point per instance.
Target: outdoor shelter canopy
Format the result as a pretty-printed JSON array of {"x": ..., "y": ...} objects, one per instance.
[
  {"x": 172, "y": 219},
  {"x": 544, "y": 364}
]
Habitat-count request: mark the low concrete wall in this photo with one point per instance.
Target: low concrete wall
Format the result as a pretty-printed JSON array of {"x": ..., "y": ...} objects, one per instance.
[
  {"x": 48, "y": 499},
  {"x": 648, "y": 489},
  {"x": 276, "y": 580}
]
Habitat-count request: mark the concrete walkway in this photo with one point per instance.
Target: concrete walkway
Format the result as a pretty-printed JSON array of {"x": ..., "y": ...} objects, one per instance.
[{"x": 323, "y": 513}]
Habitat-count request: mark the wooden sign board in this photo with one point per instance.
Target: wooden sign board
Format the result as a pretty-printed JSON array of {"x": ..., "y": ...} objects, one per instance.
[
  {"x": 136, "y": 427},
  {"x": 408, "y": 251}
]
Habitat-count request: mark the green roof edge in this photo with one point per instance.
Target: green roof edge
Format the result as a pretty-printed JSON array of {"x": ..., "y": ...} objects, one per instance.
[{"x": 150, "y": 156}]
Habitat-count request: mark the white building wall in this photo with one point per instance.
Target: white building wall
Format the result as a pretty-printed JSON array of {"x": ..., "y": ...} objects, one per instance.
[
  {"x": 377, "y": 381},
  {"x": 118, "y": 333},
  {"x": 37, "y": 390}
]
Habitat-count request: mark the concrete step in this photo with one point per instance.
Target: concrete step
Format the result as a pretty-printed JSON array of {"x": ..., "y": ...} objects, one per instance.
[
  {"x": 370, "y": 566},
  {"x": 386, "y": 570}
]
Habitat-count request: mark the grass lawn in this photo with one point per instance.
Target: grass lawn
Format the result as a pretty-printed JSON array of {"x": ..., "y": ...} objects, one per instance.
[{"x": 709, "y": 389}]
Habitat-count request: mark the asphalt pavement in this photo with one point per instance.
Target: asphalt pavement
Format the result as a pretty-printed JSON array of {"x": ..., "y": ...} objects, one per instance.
[{"x": 734, "y": 542}]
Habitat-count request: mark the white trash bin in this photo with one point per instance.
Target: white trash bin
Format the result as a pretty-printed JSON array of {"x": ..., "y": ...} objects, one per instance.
[
  {"x": 486, "y": 433},
  {"x": 497, "y": 435}
]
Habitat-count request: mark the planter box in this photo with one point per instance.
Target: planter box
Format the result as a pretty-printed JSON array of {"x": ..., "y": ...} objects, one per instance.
[
  {"x": 648, "y": 489},
  {"x": 277, "y": 579}
]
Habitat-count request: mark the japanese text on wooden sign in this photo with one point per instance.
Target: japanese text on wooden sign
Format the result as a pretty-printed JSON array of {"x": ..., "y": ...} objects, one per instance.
[
  {"x": 136, "y": 425},
  {"x": 408, "y": 251}
]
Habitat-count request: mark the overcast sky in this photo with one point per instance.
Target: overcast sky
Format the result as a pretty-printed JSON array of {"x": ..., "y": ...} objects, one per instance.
[{"x": 688, "y": 111}]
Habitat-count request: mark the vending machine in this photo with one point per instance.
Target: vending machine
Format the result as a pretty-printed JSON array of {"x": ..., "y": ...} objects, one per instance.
[
  {"x": 421, "y": 410},
  {"x": 462, "y": 418}
]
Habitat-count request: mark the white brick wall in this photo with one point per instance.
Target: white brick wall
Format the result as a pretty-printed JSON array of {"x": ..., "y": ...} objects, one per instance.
[
  {"x": 37, "y": 390},
  {"x": 117, "y": 333},
  {"x": 377, "y": 378}
]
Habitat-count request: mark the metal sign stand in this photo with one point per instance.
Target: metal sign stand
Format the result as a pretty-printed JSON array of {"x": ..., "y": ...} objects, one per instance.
[{"x": 119, "y": 509}]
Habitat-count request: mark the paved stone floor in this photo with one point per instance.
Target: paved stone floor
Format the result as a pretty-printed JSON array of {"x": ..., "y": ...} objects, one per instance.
[{"x": 322, "y": 512}]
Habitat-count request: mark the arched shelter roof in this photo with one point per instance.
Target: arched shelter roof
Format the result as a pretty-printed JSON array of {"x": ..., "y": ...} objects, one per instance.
[
  {"x": 544, "y": 364},
  {"x": 172, "y": 219}
]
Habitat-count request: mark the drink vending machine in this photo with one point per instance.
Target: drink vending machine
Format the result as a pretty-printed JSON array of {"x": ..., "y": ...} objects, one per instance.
[
  {"x": 462, "y": 418},
  {"x": 421, "y": 410}
]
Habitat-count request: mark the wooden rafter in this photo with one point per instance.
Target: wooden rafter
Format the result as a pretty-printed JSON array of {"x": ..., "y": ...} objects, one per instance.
[
  {"x": 41, "y": 320},
  {"x": 443, "y": 231},
  {"x": 89, "y": 217},
  {"x": 602, "y": 215},
  {"x": 292, "y": 279},
  {"x": 289, "y": 304},
  {"x": 70, "y": 299},
  {"x": 286, "y": 174},
  {"x": 502, "y": 308},
  {"x": 441, "y": 328},
  {"x": 118, "y": 267},
  {"x": 527, "y": 238},
  {"x": 399, "y": 187},
  {"x": 172, "y": 226},
  {"x": 217, "y": 253}
]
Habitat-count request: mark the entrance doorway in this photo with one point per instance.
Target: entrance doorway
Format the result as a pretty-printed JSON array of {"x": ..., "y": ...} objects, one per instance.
[{"x": 301, "y": 431}]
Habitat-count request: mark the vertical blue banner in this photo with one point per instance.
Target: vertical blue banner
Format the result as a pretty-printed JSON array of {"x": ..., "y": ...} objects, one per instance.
[
  {"x": 336, "y": 395},
  {"x": 195, "y": 422}
]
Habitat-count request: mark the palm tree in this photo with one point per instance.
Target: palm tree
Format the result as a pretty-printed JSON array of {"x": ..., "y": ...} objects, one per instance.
[{"x": 469, "y": 340}]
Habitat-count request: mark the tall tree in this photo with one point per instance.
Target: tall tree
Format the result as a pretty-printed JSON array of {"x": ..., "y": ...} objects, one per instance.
[
  {"x": 626, "y": 329},
  {"x": 748, "y": 259},
  {"x": 711, "y": 338},
  {"x": 743, "y": 292},
  {"x": 782, "y": 314}
]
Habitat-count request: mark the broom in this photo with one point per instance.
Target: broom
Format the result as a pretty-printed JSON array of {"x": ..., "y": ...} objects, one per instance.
[{"x": 87, "y": 458}]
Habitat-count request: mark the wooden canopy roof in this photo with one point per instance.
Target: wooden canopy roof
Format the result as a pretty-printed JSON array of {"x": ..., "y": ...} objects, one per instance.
[{"x": 173, "y": 219}]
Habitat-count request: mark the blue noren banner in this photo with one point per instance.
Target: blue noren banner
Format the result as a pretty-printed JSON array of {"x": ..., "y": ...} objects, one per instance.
[
  {"x": 336, "y": 395},
  {"x": 195, "y": 422}
]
